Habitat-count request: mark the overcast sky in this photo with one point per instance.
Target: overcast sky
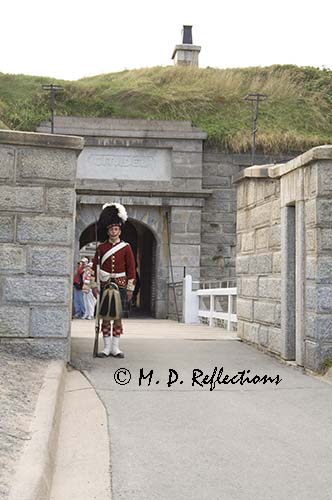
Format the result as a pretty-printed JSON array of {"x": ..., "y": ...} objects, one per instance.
[{"x": 76, "y": 38}]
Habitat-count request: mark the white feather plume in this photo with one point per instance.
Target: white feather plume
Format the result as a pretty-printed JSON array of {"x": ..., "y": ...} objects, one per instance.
[{"x": 122, "y": 212}]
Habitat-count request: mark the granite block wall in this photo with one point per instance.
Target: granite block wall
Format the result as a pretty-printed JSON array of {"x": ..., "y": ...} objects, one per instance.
[
  {"x": 37, "y": 208},
  {"x": 218, "y": 216},
  {"x": 318, "y": 268},
  {"x": 218, "y": 249},
  {"x": 258, "y": 262},
  {"x": 284, "y": 258}
]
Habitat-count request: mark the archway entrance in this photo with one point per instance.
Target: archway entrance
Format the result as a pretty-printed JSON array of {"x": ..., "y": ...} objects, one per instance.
[{"x": 143, "y": 244}]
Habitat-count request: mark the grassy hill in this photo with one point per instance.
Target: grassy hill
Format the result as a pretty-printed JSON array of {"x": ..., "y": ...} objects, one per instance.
[{"x": 296, "y": 116}]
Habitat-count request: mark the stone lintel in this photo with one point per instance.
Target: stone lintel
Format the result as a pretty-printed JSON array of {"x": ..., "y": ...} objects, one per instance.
[
  {"x": 145, "y": 199},
  {"x": 18, "y": 138},
  {"x": 132, "y": 134},
  {"x": 95, "y": 189},
  {"x": 128, "y": 128},
  {"x": 178, "y": 146}
]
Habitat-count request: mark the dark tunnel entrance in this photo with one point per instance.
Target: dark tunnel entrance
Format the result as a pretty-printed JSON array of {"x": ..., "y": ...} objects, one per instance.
[{"x": 143, "y": 244}]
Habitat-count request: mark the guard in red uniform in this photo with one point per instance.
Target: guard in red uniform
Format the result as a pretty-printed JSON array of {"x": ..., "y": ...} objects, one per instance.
[{"x": 117, "y": 274}]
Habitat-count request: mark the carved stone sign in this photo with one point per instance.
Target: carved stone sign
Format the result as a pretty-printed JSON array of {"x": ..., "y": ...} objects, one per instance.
[{"x": 109, "y": 163}]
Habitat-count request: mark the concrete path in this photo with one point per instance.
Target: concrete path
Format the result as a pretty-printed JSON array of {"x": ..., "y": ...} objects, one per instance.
[
  {"x": 184, "y": 441},
  {"x": 82, "y": 459}
]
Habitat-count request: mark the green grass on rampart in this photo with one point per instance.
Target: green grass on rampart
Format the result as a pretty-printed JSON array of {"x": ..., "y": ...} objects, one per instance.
[{"x": 296, "y": 116}]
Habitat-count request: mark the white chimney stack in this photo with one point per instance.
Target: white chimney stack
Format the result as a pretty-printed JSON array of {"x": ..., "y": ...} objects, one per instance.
[{"x": 186, "y": 54}]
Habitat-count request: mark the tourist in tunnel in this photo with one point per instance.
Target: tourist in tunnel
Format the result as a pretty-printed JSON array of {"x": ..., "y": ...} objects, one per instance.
[{"x": 79, "y": 307}]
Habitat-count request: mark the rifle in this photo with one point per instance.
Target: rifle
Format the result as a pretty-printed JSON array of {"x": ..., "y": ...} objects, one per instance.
[{"x": 97, "y": 324}]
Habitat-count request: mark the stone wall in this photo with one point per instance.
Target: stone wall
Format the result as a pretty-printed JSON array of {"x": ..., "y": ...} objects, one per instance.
[
  {"x": 284, "y": 261},
  {"x": 218, "y": 249},
  {"x": 37, "y": 208},
  {"x": 258, "y": 262},
  {"x": 218, "y": 216},
  {"x": 318, "y": 265}
]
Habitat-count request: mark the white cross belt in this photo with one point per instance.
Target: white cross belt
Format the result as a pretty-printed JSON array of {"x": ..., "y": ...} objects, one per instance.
[{"x": 105, "y": 276}]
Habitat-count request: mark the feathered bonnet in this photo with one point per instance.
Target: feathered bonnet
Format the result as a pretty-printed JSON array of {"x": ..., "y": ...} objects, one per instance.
[{"x": 112, "y": 213}]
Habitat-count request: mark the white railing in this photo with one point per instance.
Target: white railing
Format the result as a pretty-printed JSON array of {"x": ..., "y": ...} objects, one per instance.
[{"x": 193, "y": 300}]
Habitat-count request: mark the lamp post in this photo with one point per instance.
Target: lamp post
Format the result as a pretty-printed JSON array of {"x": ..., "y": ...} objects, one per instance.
[
  {"x": 254, "y": 100},
  {"x": 53, "y": 89}
]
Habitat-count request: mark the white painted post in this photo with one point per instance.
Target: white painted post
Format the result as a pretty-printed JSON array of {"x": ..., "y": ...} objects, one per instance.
[
  {"x": 211, "y": 309},
  {"x": 229, "y": 319},
  {"x": 190, "y": 302}
]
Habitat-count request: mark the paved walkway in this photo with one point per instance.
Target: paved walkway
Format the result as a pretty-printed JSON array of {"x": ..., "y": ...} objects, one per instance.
[
  {"x": 184, "y": 441},
  {"x": 149, "y": 328}
]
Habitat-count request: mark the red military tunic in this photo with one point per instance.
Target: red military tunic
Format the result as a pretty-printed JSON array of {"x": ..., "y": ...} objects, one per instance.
[{"x": 121, "y": 261}]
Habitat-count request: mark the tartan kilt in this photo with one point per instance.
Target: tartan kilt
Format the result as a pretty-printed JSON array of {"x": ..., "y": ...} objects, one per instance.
[{"x": 124, "y": 302}]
